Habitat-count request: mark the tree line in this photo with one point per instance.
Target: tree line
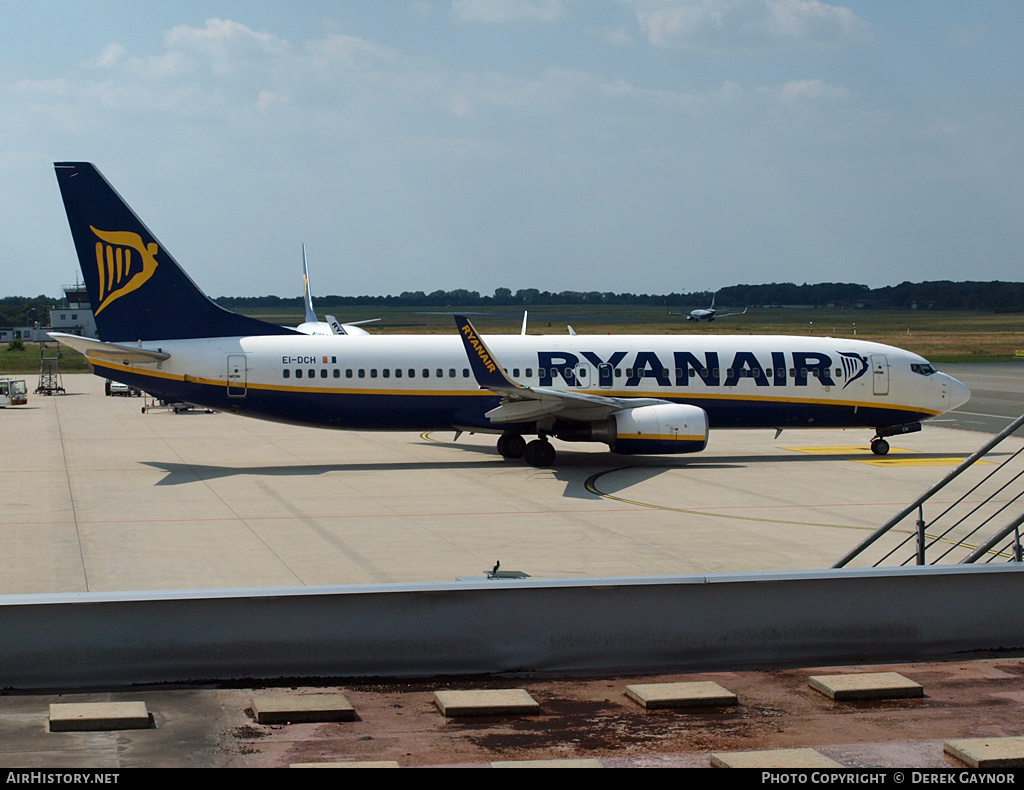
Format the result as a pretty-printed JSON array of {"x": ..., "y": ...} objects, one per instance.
[{"x": 993, "y": 296}]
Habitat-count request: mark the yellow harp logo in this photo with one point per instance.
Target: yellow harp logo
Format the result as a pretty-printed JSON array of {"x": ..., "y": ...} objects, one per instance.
[{"x": 124, "y": 263}]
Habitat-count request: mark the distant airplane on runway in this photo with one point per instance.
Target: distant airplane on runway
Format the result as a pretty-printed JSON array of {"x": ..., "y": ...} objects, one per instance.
[
  {"x": 708, "y": 314},
  {"x": 635, "y": 393}
]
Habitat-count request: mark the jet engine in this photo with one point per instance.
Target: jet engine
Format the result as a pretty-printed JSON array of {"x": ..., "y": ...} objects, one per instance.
[{"x": 660, "y": 429}]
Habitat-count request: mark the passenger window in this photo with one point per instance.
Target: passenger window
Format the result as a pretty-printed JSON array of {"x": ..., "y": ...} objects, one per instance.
[
  {"x": 412, "y": 373},
  {"x": 362, "y": 373},
  {"x": 465, "y": 373},
  {"x": 312, "y": 373},
  {"x": 323, "y": 373},
  {"x": 298, "y": 373},
  {"x": 386, "y": 373},
  {"x": 337, "y": 373},
  {"x": 373, "y": 373},
  {"x": 286, "y": 373},
  {"x": 451, "y": 373}
]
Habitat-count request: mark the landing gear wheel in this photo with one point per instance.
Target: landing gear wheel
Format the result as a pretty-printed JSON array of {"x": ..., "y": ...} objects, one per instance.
[
  {"x": 511, "y": 445},
  {"x": 879, "y": 446},
  {"x": 540, "y": 453}
]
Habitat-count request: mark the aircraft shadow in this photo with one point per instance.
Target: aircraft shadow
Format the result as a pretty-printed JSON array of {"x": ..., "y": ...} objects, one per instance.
[
  {"x": 180, "y": 473},
  {"x": 574, "y": 469}
]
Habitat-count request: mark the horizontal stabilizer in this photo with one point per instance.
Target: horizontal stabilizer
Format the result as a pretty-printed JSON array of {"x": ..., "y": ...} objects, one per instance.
[{"x": 110, "y": 352}]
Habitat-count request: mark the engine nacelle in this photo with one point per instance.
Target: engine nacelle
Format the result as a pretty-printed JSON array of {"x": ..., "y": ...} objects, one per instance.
[{"x": 659, "y": 429}]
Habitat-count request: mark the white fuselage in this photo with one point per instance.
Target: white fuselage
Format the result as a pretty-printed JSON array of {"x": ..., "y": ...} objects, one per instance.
[{"x": 383, "y": 382}]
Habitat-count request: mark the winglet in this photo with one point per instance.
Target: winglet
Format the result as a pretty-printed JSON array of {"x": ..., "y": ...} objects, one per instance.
[
  {"x": 487, "y": 370},
  {"x": 307, "y": 296}
]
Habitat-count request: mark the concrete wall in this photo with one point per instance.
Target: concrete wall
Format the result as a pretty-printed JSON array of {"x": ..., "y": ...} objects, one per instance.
[{"x": 681, "y": 623}]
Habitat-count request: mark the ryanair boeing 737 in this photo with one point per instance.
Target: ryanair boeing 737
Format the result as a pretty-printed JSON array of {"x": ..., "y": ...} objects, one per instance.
[{"x": 635, "y": 393}]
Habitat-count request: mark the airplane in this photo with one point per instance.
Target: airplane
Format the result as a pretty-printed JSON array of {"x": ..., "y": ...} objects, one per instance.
[
  {"x": 638, "y": 394},
  {"x": 332, "y": 326},
  {"x": 708, "y": 314}
]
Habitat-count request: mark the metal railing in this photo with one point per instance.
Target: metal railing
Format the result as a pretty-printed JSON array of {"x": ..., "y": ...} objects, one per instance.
[{"x": 969, "y": 529}]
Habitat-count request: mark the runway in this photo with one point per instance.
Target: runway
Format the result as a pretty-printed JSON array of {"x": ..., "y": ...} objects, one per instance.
[
  {"x": 997, "y": 395},
  {"x": 101, "y": 497}
]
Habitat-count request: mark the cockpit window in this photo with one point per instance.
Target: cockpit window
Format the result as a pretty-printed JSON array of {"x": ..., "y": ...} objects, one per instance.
[{"x": 922, "y": 369}]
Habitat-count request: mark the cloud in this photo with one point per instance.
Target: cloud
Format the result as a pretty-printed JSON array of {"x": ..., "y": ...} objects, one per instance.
[
  {"x": 507, "y": 10},
  {"x": 744, "y": 23},
  {"x": 811, "y": 90}
]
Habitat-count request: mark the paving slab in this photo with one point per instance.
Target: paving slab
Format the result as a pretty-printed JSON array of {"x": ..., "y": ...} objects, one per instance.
[
  {"x": 567, "y": 763},
  {"x": 866, "y": 685},
  {"x": 364, "y": 764},
  {"x": 987, "y": 752},
  {"x": 485, "y": 702},
  {"x": 98, "y": 716},
  {"x": 301, "y": 708},
  {"x": 774, "y": 758},
  {"x": 695, "y": 694}
]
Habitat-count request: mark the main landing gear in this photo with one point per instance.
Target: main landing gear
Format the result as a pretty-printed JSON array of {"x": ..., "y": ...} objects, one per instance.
[
  {"x": 539, "y": 452},
  {"x": 511, "y": 445}
]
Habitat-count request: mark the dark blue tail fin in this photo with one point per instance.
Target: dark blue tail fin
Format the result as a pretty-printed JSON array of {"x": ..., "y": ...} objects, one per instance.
[{"x": 137, "y": 289}]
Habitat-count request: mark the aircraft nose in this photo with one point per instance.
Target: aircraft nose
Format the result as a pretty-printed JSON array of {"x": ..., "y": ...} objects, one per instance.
[{"x": 959, "y": 393}]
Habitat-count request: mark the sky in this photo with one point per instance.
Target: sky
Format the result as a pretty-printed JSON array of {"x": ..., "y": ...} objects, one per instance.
[{"x": 644, "y": 146}]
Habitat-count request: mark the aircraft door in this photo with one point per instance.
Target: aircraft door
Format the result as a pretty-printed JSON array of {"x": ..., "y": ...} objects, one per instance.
[
  {"x": 236, "y": 376},
  {"x": 605, "y": 374},
  {"x": 880, "y": 374},
  {"x": 585, "y": 376}
]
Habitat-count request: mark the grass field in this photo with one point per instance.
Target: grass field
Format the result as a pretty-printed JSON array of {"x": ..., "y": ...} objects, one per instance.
[
  {"x": 938, "y": 336},
  {"x": 27, "y": 361}
]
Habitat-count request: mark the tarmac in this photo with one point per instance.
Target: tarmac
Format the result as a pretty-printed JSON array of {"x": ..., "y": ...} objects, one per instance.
[{"x": 99, "y": 497}]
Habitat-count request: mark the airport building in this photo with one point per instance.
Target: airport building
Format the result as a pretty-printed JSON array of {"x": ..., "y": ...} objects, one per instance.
[{"x": 73, "y": 316}]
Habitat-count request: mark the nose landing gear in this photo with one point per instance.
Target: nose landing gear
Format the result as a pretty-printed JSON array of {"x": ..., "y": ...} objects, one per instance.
[{"x": 879, "y": 446}]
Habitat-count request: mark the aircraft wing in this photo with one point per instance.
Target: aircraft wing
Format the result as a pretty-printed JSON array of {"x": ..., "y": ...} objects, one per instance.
[
  {"x": 726, "y": 315},
  {"x": 521, "y": 403},
  {"x": 109, "y": 352}
]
